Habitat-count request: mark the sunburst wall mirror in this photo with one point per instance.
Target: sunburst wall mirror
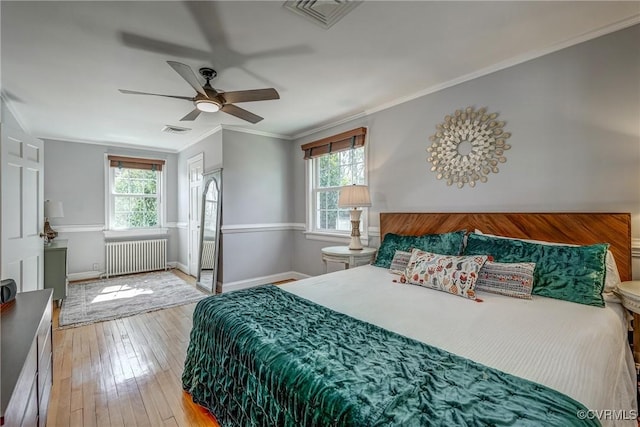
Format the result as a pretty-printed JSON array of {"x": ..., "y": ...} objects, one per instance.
[{"x": 467, "y": 147}]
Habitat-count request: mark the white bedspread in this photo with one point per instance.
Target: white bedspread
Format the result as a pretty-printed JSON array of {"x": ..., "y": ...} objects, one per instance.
[{"x": 579, "y": 350}]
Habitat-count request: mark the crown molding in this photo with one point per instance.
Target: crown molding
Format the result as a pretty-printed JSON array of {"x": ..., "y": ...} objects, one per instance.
[
  {"x": 201, "y": 137},
  {"x": 257, "y": 132},
  {"x": 9, "y": 104},
  {"x": 236, "y": 129},
  {"x": 112, "y": 145},
  {"x": 334, "y": 124},
  {"x": 508, "y": 63}
]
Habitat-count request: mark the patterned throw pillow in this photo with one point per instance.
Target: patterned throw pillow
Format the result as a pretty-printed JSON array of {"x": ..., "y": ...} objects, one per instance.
[
  {"x": 510, "y": 279},
  {"x": 570, "y": 273},
  {"x": 456, "y": 275},
  {"x": 399, "y": 262},
  {"x": 447, "y": 243}
]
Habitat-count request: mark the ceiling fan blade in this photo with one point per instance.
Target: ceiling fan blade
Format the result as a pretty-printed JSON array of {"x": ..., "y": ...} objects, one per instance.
[
  {"x": 250, "y": 95},
  {"x": 135, "y": 92},
  {"x": 241, "y": 113},
  {"x": 191, "y": 116},
  {"x": 187, "y": 73}
]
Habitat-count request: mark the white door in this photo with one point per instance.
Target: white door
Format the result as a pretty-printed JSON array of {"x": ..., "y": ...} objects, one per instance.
[
  {"x": 195, "y": 166},
  {"x": 21, "y": 250}
]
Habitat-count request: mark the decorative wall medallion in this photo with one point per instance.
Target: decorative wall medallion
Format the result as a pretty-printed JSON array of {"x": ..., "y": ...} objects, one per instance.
[{"x": 467, "y": 147}]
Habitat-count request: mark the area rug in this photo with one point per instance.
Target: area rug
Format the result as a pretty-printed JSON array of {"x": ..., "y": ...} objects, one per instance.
[{"x": 124, "y": 296}]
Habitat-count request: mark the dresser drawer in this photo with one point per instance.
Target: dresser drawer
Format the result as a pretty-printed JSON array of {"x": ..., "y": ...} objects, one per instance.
[
  {"x": 44, "y": 332},
  {"x": 30, "y": 418},
  {"x": 21, "y": 395},
  {"x": 45, "y": 393},
  {"x": 44, "y": 372}
]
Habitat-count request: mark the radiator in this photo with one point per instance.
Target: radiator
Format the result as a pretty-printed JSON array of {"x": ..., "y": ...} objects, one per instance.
[
  {"x": 135, "y": 256},
  {"x": 208, "y": 255}
]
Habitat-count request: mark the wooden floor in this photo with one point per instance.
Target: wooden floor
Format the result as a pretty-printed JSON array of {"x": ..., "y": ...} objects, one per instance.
[{"x": 124, "y": 372}]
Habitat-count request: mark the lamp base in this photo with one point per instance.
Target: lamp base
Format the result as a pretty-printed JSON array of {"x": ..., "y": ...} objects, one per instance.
[
  {"x": 49, "y": 233},
  {"x": 355, "y": 244}
]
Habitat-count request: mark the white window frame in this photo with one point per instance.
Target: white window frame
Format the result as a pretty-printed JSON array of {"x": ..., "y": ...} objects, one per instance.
[
  {"x": 111, "y": 232},
  {"x": 338, "y": 236}
]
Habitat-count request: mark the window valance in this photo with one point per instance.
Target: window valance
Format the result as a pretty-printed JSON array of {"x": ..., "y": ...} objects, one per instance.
[
  {"x": 135, "y": 163},
  {"x": 343, "y": 141}
]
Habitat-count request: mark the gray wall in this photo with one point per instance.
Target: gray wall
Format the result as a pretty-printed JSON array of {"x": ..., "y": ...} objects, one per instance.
[
  {"x": 256, "y": 189},
  {"x": 211, "y": 147},
  {"x": 575, "y": 120},
  {"x": 74, "y": 174}
]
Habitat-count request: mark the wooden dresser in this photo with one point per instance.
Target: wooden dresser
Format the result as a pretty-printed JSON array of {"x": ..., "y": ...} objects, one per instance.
[{"x": 26, "y": 359}]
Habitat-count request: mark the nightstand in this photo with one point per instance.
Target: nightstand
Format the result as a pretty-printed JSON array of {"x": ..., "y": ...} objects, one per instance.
[
  {"x": 55, "y": 269},
  {"x": 347, "y": 256},
  {"x": 629, "y": 292}
]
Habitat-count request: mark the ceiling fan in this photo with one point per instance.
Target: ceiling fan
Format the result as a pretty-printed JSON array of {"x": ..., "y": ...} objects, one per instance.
[{"x": 210, "y": 100}]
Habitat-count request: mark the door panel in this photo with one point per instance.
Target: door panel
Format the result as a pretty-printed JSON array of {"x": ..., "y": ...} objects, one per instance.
[
  {"x": 30, "y": 199},
  {"x": 30, "y": 271},
  {"x": 195, "y": 166},
  {"x": 11, "y": 206},
  {"x": 21, "y": 180}
]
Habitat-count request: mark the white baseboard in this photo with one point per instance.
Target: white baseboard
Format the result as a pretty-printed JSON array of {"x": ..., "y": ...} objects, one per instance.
[
  {"x": 257, "y": 281},
  {"x": 84, "y": 275},
  {"x": 181, "y": 267}
]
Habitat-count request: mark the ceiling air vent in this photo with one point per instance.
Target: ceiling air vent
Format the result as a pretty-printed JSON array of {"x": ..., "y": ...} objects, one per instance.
[
  {"x": 323, "y": 12},
  {"x": 175, "y": 129}
]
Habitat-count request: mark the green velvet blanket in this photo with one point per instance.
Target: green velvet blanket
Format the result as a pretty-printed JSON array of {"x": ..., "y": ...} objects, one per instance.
[{"x": 265, "y": 357}]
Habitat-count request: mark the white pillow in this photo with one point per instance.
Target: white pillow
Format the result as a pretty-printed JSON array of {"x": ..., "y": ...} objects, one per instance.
[{"x": 612, "y": 276}]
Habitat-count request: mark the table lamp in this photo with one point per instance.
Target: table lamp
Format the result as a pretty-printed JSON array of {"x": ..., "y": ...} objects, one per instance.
[{"x": 354, "y": 196}]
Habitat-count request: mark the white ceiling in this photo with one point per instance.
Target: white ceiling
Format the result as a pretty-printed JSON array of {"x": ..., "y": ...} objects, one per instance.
[{"x": 62, "y": 63}]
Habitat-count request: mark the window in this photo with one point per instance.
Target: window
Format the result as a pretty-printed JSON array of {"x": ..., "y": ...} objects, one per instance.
[
  {"x": 333, "y": 171},
  {"x": 333, "y": 163},
  {"x": 135, "y": 188}
]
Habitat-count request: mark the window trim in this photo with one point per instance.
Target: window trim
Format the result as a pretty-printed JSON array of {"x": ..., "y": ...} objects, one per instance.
[
  {"x": 338, "y": 236},
  {"x": 161, "y": 228}
]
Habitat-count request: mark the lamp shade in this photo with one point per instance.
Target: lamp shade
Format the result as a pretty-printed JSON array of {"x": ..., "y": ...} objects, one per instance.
[
  {"x": 354, "y": 196},
  {"x": 53, "y": 209}
]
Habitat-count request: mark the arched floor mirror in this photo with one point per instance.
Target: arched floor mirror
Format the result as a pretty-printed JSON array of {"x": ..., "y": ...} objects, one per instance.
[{"x": 210, "y": 230}]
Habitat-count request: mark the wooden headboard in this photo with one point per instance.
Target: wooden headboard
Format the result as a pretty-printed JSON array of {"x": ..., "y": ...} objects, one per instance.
[{"x": 575, "y": 228}]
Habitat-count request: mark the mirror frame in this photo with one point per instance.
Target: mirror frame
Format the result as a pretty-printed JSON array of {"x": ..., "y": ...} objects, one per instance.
[{"x": 213, "y": 177}]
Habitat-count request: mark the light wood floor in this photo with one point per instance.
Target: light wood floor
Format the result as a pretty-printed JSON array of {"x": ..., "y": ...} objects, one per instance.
[{"x": 124, "y": 372}]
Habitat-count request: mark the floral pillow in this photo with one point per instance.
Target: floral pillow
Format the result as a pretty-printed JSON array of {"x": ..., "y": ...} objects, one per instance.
[
  {"x": 510, "y": 279},
  {"x": 456, "y": 275}
]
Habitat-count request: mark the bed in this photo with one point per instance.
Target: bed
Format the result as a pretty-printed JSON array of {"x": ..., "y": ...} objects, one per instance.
[{"x": 356, "y": 347}]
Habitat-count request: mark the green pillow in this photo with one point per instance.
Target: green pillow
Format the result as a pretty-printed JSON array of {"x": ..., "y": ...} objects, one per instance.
[
  {"x": 570, "y": 273},
  {"x": 444, "y": 244}
]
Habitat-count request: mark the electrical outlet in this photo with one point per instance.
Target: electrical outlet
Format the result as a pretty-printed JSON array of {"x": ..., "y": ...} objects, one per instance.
[{"x": 96, "y": 266}]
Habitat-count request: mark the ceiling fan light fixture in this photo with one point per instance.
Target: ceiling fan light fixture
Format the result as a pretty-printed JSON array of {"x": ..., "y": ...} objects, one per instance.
[{"x": 208, "y": 105}]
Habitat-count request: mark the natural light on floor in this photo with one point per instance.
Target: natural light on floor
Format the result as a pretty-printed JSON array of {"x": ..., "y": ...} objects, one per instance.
[{"x": 111, "y": 293}]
